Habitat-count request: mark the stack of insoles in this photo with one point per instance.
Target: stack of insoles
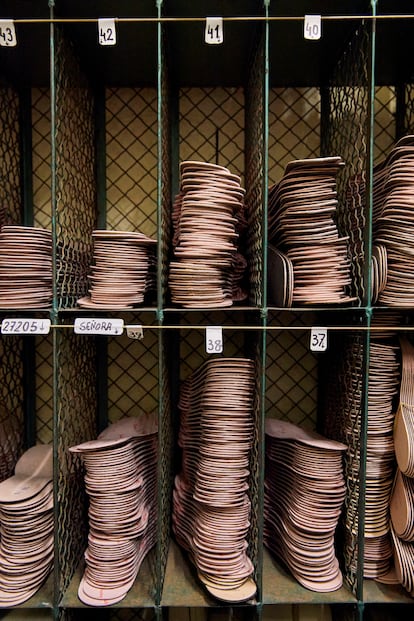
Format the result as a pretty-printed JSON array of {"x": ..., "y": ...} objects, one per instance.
[
  {"x": 211, "y": 505},
  {"x": 304, "y": 492},
  {"x": 122, "y": 270},
  {"x": 26, "y": 526},
  {"x": 25, "y": 267},
  {"x": 120, "y": 481},
  {"x": 207, "y": 269},
  {"x": 303, "y": 228}
]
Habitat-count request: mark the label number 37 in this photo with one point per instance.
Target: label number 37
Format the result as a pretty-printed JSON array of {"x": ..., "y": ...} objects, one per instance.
[{"x": 319, "y": 339}]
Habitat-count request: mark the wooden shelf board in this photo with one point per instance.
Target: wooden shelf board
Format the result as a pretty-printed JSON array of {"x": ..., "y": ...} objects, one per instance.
[
  {"x": 139, "y": 596},
  {"x": 279, "y": 587}
]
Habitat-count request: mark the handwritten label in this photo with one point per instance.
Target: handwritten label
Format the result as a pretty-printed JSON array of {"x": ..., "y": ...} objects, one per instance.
[
  {"x": 213, "y": 34},
  {"x": 96, "y": 325},
  {"x": 214, "y": 340},
  {"x": 106, "y": 31},
  {"x": 312, "y": 28},
  {"x": 319, "y": 339},
  {"x": 25, "y": 326},
  {"x": 7, "y": 33},
  {"x": 135, "y": 332}
]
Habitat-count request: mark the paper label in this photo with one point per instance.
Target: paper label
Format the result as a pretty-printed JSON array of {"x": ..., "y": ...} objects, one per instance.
[
  {"x": 312, "y": 28},
  {"x": 25, "y": 326},
  {"x": 98, "y": 325},
  {"x": 214, "y": 340},
  {"x": 319, "y": 339},
  {"x": 106, "y": 31},
  {"x": 135, "y": 332},
  {"x": 7, "y": 33},
  {"x": 213, "y": 34}
]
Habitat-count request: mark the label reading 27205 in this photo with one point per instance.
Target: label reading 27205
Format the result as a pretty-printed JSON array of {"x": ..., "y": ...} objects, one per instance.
[{"x": 25, "y": 326}]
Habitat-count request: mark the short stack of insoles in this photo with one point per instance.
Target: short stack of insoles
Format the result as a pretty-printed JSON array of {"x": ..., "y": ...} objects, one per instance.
[
  {"x": 309, "y": 260},
  {"x": 26, "y": 526},
  {"x": 120, "y": 481},
  {"x": 208, "y": 216}
]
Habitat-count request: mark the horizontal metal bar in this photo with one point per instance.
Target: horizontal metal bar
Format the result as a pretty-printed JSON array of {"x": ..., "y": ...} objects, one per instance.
[
  {"x": 261, "y": 328},
  {"x": 250, "y": 18}
]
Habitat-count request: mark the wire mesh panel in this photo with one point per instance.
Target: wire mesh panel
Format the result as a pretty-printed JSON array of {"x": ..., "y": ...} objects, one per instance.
[
  {"x": 44, "y": 389},
  {"x": 131, "y": 159},
  {"x": 384, "y": 121},
  {"x": 10, "y": 176},
  {"x": 212, "y": 124},
  {"x": 294, "y": 127},
  {"x": 292, "y": 372},
  {"x": 11, "y": 404},
  {"x": 164, "y": 173},
  {"x": 41, "y": 158},
  {"x": 76, "y": 409},
  {"x": 409, "y": 108},
  {"x": 254, "y": 165},
  {"x": 346, "y": 134},
  {"x": 342, "y": 403},
  {"x": 75, "y": 174}
]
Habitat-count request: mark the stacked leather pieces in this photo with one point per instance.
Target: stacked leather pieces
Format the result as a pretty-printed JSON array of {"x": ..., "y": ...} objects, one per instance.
[
  {"x": 304, "y": 493},
  {"x": 383, "y": 386},
  {"x": 26, "y": 526},
  {"x": 402, "y": 499},
  {"x": 302, "y": 226},
  {"x": 393, "y": 224},
  {"x": 211, "y": 505},
  {"x": 120, "y": 481},
  {"x": 122, "y": 270},
  {"x": 208, "y": 266},
  {"x": 25, "y": 267}
]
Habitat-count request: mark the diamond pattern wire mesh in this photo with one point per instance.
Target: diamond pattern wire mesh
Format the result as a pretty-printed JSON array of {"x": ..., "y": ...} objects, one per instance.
[
  {"x": 75, "y": 369},
  {"x": 11, "y": 404},
  {"x": 131, "y": 159},
  {"x": 41, "y": 156},
  {"x": 76, "y": 423},
  {"x": 409, "y": 108},
  {"x": 10, "y": 176},
  {"x": 342, "y": 403},
  {"x": 346, "y": 135},
  {"x": 212, "y": 126},
  {"x": 254, "y": 164},
  {"x": 11, "y": 365},
  {"x": 165, "y": 338},
  {"x": 384, "y": 121},
  {"x": 294, "y": 127},
  {"x": 292, "y": 373},
  {"x": 44, "y": 389},
  {"x": 133, "y": 375},
  {"x": 42, "y": 213},
  {"x": 75, "y": 175}
]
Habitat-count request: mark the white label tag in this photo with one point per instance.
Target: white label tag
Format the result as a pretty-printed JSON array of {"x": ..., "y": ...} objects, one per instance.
[
  {"x": 106, "y": 31},
  {"x": 96, "y": 325},
  {"x": 319, "y": 339},
  {"x": 7, "y": 33},
  {"x": 135, "y": 333},
  {"x": 214, "y": 340},
  {"x": 213, "y": 34},
  {"x": 312, "y": 28},
  {"x": 25, "y": 326}
]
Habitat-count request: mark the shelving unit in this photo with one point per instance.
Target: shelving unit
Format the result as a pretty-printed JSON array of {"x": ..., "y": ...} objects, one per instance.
[{"x": 91, "y": 137}]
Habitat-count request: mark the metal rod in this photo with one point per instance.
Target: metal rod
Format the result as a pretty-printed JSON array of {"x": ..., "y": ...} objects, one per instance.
[
  {"x": 250, "y": 18},
  {"x": 260, "y": 328}
]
